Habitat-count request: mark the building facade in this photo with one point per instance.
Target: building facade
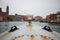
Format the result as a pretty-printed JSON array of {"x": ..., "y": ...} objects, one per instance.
[
  {"x": 53, "y": 18},
  {"x": 3, "y": 14},
  {"x": 37, "y": 18}
]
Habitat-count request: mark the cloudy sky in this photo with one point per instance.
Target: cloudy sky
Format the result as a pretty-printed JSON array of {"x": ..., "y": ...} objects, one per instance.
[{"x": 34, "y": 7}]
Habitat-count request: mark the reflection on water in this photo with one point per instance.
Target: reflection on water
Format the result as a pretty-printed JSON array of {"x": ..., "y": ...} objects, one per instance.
[
  {"x": 29, "y": 27},
  {"x": 4, "y": 26}
]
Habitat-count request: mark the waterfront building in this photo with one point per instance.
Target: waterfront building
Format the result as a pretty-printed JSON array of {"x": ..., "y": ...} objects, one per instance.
[
  {"x": 23, "y": 18},
  {"x": 10, "y": 18},
  {"x": 30, "y": 17},
  {"x": 53, "y": 18},
  {"x": 1, "y": 18},
  {"x": 18, "y": 17},
  {"x": 15, "y": 17},
  {"x": 37, "y": 18},
  {"x": 58, "y": 16},
  {"x": 3, "y": 14}
]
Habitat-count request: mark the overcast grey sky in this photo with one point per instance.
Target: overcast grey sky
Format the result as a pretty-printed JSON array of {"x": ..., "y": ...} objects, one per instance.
[{"x": 35, "y": 7}]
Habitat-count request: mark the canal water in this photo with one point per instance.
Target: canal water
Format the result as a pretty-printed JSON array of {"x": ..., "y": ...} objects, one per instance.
[{"x": 5, "y": 26}]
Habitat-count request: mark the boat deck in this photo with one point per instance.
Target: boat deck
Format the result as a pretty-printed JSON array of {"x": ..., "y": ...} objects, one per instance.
[{"x": 30, "y": 32}]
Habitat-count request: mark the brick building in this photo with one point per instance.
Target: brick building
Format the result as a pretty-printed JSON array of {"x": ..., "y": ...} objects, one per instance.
[
  {"x": 53, "y": 17},
  {"x": 3, "y": 14}
]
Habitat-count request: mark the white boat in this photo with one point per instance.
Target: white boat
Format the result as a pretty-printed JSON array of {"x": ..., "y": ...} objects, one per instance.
[{"x": 30, "y": 32}]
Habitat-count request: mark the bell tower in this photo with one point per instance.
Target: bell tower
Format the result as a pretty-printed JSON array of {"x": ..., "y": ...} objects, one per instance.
[
  {"x": 7, "y": 9},
  {"x": 0, "y": 9}
]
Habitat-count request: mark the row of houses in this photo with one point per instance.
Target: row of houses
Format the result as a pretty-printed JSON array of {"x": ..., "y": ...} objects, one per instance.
[
  {"x": 54, "y": 18},
  {"x": 4, "y": 16}
]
